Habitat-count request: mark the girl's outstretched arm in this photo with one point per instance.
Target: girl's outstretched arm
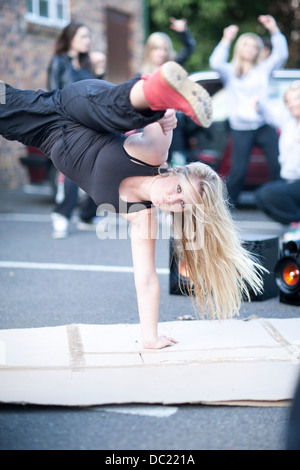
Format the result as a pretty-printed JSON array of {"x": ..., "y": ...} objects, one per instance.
[{"x": 144, "y": 226}]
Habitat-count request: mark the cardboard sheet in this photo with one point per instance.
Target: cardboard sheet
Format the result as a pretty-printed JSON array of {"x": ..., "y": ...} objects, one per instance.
[{"x": 237, "y": 362}]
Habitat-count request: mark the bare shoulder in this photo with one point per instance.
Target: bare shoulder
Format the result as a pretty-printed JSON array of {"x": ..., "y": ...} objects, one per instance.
[
  {"x": 151, "y": 146},
  {"x": 145, "y": 150}
]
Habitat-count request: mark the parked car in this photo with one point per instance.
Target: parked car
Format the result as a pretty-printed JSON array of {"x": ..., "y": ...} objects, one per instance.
[
  {"x": 213, "y": 145},
  {"x": 40, "y": 168}
]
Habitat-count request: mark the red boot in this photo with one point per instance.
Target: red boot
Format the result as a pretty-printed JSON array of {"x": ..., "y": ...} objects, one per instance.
[{"x": 170, "y": 88}]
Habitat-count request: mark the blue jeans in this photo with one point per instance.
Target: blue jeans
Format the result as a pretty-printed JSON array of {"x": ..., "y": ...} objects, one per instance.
[
  {"x": 280, "y": 200},
  {"x": 243, "y": 141}
]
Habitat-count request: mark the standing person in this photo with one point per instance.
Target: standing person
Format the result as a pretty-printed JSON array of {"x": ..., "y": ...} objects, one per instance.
[
  {"x": 71, "y": 63},
  {"x": 159, "y": 47},
  {"x": 81, "y": 128},
  {"x": 281, "y": 199},
  {"x": 158, "y": 50},
  {"x": 244, "y": 77}
]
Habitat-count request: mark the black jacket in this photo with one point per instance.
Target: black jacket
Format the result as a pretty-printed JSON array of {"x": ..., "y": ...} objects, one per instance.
[
  {"x": 189, "y": 45},
  {"x": 61, "y": 72}
]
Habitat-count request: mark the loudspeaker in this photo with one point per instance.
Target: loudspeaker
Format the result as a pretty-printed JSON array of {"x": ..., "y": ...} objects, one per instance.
[
  {"x": 265, "y": 249},
  {"x": 287, "y": 273},
  {"x": 178, "y": 279}
]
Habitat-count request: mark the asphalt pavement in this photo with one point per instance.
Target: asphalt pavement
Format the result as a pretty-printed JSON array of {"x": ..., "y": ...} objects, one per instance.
[{"x": 32, "y": 297}]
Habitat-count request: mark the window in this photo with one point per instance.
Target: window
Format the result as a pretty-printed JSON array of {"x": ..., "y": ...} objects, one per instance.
[
  {"x": 48, "y": 12},
  {"x": 118, "y": 51}
]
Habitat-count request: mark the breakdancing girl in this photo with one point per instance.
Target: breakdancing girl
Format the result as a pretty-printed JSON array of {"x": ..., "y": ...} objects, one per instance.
[{"x": 83, "y": 127}]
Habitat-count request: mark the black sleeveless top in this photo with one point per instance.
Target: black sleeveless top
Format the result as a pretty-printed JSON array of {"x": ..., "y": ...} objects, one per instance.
[
  {"x": 113, "y": 166},
  {"x": 97, "y": 163}
]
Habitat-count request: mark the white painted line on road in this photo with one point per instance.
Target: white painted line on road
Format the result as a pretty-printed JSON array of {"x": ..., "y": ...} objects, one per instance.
[
  {"x": 39, "y": 190},
  {"x": 146, "y": 410},
  {"x": 73, "y": 267},
  {"x": 44, "y": 218},
  {"x": 9, "y": 217},
  {"x": 261, "y": 224},
  {"x": 251, "y": 225}
]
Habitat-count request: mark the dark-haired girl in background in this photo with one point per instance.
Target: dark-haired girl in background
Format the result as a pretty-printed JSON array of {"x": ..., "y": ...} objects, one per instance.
[{"x": 72, "y": 62}]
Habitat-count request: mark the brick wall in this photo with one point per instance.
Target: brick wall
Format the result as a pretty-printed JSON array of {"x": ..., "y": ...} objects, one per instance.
[{"x": 26, "y": 50}]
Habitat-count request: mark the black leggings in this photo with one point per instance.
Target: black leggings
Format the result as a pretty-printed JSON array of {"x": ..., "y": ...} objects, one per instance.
[
  {"x": 280, "y": 200},
  {"x": 243, "y": 141},
  {"x": 31, "y": 116}
]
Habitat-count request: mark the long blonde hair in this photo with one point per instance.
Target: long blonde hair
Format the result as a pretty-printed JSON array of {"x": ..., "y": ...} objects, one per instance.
[
  {"x": 236, "y": 60},
  {"x": 156, "y": 40},
  {"x": 220, "y": 270}
]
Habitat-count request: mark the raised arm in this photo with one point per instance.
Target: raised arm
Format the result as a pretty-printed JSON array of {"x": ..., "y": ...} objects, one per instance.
[
  {"x": 144, "y": 226},
  {"x": 189, "y": 43},
  {"x": 152, "y": 145},
  {"x": 219, "y": 58},
  {"x": 280, "y": 51}
]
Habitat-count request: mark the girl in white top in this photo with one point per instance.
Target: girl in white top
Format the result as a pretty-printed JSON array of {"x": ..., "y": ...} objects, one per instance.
[{"x": 245, "y": 77}]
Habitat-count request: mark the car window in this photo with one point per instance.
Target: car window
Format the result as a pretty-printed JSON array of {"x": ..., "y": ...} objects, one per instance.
[
  {"x": 278, "y": 86},
  {"x": 276, "y": 92}
]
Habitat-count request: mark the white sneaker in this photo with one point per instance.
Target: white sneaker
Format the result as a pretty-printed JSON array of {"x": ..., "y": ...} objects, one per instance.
[{"x": 60, "y": 225}]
